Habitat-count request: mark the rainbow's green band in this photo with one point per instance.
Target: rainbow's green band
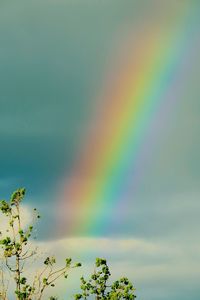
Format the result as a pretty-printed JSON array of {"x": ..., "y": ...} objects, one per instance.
[{"x": 132, "y": 102}]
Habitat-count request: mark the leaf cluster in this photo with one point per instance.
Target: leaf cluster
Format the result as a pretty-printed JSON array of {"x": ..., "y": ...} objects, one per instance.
[
  {"x": 98, "y": 286},
  {"x": 17, "y": 249}
]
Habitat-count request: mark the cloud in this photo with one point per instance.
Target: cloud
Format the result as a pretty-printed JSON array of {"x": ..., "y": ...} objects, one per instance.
[{"x": 153, "y": 266}]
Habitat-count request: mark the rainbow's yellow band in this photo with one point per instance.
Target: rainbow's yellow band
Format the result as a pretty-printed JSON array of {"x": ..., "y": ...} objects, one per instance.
[{"x": 130, "y": 104}]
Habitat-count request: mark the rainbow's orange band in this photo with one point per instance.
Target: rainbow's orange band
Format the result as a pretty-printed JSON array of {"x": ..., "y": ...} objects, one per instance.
[{"x": 130, "y": 104}]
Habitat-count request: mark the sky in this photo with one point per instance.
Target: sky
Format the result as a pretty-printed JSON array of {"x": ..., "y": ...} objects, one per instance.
[{"x": 60, "y": 64}]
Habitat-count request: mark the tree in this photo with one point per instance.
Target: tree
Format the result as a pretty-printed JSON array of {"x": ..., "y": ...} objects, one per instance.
[
  {"x": 98, "y": 286},
  {"x": 17, "y": 250}
]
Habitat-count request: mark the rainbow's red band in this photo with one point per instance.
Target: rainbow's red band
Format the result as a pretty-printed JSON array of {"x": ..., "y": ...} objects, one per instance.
[{"x": 128, "y": 108}]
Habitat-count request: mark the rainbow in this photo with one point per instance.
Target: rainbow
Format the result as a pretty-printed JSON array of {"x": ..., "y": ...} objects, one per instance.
[{"x": 130, "y": 102}]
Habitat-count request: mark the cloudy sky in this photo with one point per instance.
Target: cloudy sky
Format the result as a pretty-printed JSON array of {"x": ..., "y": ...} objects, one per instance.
[{"x": 54, "y": 62}]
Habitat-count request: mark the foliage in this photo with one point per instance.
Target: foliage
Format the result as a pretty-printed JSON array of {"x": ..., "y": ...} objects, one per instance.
[
  {"x": 17, "y": 250},
  {"x": 98, "y": 287}
]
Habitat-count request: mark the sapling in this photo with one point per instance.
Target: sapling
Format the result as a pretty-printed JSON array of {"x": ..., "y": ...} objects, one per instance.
[{"x": 16, "y": 251}]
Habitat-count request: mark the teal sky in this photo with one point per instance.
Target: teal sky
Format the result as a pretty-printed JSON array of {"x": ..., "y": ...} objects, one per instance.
[{"x": 54, "y": 57}]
